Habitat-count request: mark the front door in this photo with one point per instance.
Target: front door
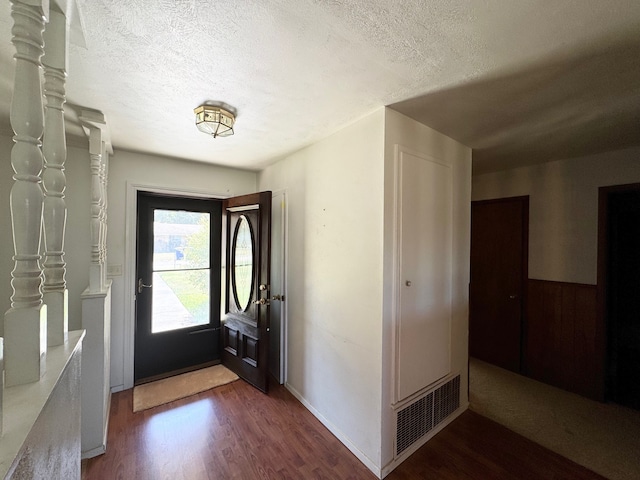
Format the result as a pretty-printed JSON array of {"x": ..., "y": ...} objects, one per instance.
[
  {"x": 245, "y": 326},
  {"x": 499, "y": 244},
  {"x": 178, "y": 284}
]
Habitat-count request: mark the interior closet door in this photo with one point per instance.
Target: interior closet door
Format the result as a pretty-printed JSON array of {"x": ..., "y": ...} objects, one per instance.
[{"x": 424, "y": 217}]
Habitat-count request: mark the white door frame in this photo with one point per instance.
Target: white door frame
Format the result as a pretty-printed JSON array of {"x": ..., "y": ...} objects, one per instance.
[{"x": 282, "y": 288}]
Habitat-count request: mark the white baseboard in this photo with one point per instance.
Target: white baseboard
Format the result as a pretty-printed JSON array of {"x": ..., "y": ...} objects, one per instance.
[
  {"x": 336, "y": 432},
  {"x": 117, "y": 388},
  {"x": 94, "y": 452}
]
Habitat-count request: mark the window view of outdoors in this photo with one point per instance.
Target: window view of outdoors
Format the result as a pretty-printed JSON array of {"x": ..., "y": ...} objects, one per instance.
[
  {"x": 181, "y": 270},
  {"x": 243, "y": 267}
]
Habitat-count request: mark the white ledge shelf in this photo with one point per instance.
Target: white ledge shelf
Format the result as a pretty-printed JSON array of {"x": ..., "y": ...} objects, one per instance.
[{"x": 23, "y": 403}]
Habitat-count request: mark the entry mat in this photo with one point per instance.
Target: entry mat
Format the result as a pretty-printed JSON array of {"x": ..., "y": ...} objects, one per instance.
[{"x": 169, "y": 389}]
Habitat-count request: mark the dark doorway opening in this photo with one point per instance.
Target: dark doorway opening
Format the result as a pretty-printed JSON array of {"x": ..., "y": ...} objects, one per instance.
[{"x": 619, "y": 282}]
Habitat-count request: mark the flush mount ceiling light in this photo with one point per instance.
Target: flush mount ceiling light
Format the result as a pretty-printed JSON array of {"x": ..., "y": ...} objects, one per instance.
[{"x": 214, "y": 120}]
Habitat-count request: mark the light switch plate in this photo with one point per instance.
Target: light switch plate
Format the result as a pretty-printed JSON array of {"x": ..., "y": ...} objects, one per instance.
[{"x": 114, "y": 270}]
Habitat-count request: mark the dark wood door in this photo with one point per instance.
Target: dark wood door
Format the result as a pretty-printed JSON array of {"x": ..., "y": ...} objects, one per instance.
[
  {"x": 178, "y": 284},
  {"x": 623, "y": 298},
  {"x": 499, "y": 251},
  {"x": 245, "y": 326}
]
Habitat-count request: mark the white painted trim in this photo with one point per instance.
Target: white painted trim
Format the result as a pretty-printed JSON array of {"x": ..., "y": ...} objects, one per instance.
[
  {"x": 94, "y": 452},
  {"x": 422, "y": 392},
  {"x": 284, "y": 328},
  {"x": 107, "y": 415},
  {"x": 283, "y": 286},
  {"x": 395, "y": 275},
  {"x": 425, "y": 156},
  {"x": 244, "y": 208},
  {"x": 336, "y": 432},
  {"x": 130, "y": 214}
]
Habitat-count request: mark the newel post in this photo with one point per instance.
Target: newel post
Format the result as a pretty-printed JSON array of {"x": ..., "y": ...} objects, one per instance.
[
  {"x": 54, "y": 180},
  {"x": 104, "y": 172},
  {"x": 95, "y": 127},
  {"x": 96, "y": 276},
  {"x": 25, "y": 323}
]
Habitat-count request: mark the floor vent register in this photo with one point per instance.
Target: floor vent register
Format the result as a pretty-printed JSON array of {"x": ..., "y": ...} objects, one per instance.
[{"x": 423, "y": 415}]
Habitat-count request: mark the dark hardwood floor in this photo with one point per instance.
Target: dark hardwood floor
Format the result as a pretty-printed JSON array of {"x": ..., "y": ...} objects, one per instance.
[{"x": 236, "y": 432}]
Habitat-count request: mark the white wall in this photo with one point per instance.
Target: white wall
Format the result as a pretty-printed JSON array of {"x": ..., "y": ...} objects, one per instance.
[
  {"x": 563, "y": 209},
  {"x": 77, "y": 242},
  {"x": 417, "y": 137},
  {"x": 334, "y": 276},
  {"x": 125, "y": 170}
]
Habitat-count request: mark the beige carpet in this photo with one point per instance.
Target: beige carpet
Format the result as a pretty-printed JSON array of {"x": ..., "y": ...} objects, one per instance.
[
  {"x": 181, "y": 386},
  {"x": 602, "y": 437}
]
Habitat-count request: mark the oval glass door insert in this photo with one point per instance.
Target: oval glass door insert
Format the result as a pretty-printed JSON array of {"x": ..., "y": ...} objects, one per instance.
[{"x": 243, "y": 263}]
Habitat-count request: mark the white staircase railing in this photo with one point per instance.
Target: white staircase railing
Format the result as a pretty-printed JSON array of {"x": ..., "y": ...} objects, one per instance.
[
  {"x": 38, "y": 316},
  {"x": 54, "y": 182},
  {"x": 25, "y": 322}
]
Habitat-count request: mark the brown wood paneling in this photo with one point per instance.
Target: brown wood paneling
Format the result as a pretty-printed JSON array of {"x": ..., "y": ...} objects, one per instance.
[
  {"x": 561, "y": 346},
  {"x": 565, "y": 345},
  {"x": 534, "y": 332},
  {"x": 589, "y": 374}
]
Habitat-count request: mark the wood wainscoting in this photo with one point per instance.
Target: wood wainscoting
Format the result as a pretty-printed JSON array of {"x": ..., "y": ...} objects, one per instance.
[{"x": 562, "y": 339}]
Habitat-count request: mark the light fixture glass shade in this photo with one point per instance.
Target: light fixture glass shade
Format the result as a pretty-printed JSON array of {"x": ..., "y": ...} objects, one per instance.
[{"x": 214, "y": 121}]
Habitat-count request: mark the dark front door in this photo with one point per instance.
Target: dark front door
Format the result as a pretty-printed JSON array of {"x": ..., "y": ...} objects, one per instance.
[
  {"x": 178, "y": 284},
  {"x": 623, "y": 298},
  {"x": 499, "y": 239},
  {"x": 245, "y": 327}
]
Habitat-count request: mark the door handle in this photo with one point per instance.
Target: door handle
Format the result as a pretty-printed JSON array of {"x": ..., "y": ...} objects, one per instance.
[
  {"x": 262, "y": 301},
  {"x": 512, "y": 297},
  {"x": 142, "y": 285}
]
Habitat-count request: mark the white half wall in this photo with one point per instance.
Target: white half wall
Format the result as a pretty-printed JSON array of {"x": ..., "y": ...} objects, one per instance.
[
  {"x": 127, "y": 172},
  {"x": 334, "y": 275},
  {"x": 42, "y": 419},
  {"x": 563, "y": 209}
]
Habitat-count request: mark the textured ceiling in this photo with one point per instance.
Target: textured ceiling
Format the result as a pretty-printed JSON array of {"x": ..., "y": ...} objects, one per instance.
[{"x": 520, "y": 82}]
